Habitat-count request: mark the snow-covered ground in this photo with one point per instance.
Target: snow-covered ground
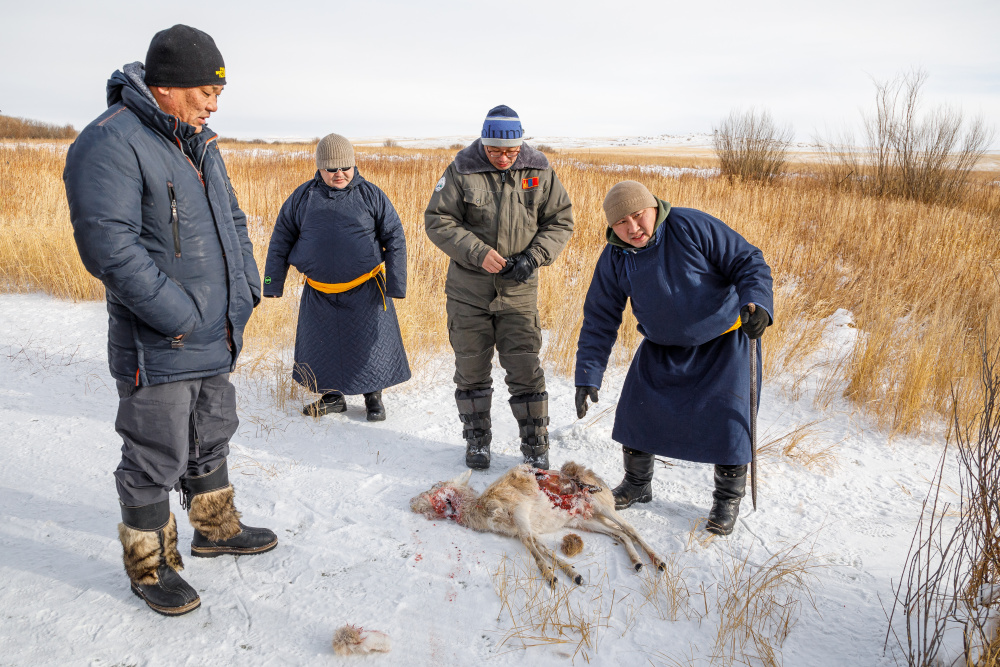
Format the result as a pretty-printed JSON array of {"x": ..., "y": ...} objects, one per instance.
[{"x": 336, "y": 491}]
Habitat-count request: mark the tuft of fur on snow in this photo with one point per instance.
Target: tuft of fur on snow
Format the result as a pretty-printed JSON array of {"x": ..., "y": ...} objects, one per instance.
[
  {"x": 355, "y": 640},
  {"x": 572, "y": 544}
]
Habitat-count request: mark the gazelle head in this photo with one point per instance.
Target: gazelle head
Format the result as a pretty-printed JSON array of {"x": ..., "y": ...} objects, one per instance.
[{"x": 440, "y": 501}]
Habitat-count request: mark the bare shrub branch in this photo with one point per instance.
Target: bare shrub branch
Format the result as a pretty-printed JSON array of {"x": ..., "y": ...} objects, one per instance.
[
  {"x": 948, "y": 591},
  {"x": 927, "y": 157},
  {"x": 750, "y": 145}
]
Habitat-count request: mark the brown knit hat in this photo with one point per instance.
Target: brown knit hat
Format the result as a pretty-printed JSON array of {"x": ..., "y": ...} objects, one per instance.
[
  {"x": 334, "y": 151},
  {"x": 627, "y": 197}
]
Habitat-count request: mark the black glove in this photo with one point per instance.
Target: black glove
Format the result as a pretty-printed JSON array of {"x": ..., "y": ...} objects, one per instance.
[
  {"x": 519, "y": 267},
  {"x": 753, "y": 324},
  {"x": 582, "y": 393}
]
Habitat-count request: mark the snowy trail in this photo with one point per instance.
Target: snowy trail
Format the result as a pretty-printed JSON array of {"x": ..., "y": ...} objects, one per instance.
[{"x": 336, "y": 491}]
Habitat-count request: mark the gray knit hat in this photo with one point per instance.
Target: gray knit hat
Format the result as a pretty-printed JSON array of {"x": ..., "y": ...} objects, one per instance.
[
  {"x": 334, "y": 151},
  {"x": 627, "y": 197}
]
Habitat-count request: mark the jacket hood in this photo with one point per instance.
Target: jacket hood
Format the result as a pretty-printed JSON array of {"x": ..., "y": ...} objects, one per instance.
[
  {"x": 127, "y": 86},
  {"x": 661, "y": 215},
  {"x": 472, "y": 159}
]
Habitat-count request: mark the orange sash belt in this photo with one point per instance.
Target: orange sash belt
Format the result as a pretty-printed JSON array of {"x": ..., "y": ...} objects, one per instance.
[
  {"x": 734, "y": 327},
  {"x": 337, "y": 288}
]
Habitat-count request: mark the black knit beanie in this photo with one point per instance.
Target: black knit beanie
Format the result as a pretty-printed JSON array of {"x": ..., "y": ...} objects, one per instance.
[{"x": 184, "y": 57}]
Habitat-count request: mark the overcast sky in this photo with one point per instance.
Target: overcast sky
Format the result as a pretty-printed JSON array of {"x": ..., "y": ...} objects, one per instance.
[{"x": 575, "y": 69}]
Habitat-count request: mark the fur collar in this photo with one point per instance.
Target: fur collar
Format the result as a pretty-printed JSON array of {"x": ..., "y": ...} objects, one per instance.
[{"x": 472, "y": 159}]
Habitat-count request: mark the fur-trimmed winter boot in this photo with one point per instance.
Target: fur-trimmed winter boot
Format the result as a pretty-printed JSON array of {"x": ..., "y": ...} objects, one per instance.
[
  {"x": 217, "y": 526},
  {"x": 637, "y": 486},
  {"x": 532, "y": 414},
  {"x": 332, "y": 401},
  {"x": 149, "y": 550},
  {"x": 474, "y": 412},
  {"x": 374, "y": 407},
  {"x": 730, "y": 486}
]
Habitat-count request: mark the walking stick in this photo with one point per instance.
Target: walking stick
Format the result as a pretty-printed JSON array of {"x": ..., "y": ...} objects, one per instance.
[{"x": 753, "y": 423}]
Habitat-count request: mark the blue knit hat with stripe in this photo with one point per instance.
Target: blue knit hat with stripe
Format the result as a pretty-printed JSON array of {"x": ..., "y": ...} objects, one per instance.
[{"x": 502, "y": 128}]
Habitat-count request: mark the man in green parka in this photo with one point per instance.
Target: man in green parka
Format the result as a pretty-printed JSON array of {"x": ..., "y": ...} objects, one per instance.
[{"x": 499, "y": 212}]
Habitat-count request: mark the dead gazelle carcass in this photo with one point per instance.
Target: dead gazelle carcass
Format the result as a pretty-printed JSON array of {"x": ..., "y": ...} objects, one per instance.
[{"x": 526, "y": 502}]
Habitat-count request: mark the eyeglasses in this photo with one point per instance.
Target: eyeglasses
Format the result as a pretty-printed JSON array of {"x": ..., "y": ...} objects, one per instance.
[
  {"x": 334, "y": 171},
  {"x": 497, "y": 152}
]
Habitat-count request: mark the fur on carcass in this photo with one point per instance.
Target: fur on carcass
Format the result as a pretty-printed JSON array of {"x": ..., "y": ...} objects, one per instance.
[{"x": 527, "y": 502}]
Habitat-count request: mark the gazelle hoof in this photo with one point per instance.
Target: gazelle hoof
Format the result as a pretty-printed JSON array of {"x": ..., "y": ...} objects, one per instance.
[
  {"x": 662, "y": 567},
  {"x": 638, "y": 567},
  {"x": 578, "y": 580}
]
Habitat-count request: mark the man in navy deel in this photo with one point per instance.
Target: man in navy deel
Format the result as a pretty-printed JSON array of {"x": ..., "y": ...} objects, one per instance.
[
  {"x": 702, "y": 296},
  {"x": 156, "y": 220}
]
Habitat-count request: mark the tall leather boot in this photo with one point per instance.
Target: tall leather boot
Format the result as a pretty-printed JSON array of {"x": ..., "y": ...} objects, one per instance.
[
  {"x": 474, "y": 411},
  {"x": 217, "y": 526},
  {"x": 637, "y": 485},
  {"x": 374, "y": 408},
  {"x": 149, "y": 550},
  {"x": 532, "y": 414},
  {"x": 730, "y": 486}
]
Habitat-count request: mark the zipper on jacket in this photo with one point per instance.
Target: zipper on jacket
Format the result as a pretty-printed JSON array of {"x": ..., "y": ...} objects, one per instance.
[
  {"x": 174, "y": 220},
  {"x": 496, "y": 220}
]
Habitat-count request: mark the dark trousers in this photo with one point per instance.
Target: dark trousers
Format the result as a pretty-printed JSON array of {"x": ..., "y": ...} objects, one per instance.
[
  {"x": 516, "y": 335},
  {"x": 169, "y": 431}
]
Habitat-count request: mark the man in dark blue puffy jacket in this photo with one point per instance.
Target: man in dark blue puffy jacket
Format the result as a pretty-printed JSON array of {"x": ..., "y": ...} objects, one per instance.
[{"x": 156, "y": 219}]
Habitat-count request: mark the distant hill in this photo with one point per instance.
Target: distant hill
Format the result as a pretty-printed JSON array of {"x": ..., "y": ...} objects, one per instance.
[{"x": 23, "y": 128}]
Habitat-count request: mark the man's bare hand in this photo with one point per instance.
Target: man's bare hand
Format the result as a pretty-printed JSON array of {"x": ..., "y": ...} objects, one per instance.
[{"x": 493, "y": 262}]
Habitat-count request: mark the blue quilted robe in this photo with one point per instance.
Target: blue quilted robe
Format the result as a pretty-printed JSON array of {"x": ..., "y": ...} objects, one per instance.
[
  {"x": 687, "y": 392},
  {"x": 345, "y": 342}
]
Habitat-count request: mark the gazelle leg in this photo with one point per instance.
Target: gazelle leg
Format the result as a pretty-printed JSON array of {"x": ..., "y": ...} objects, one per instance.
[
  {"x": 522, "y": 521},
  {"x": 595, "y": 526},
  {"x": 616, "y": 519},
  {"x": 541, "y": 559},
  {"x": 565, "y": 567}
]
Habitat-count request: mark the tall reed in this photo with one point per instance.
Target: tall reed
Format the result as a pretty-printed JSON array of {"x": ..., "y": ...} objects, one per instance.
[{"x": 917, "y": 277}]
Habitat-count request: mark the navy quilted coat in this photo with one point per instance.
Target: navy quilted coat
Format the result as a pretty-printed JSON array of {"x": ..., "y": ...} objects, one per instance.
[
  {"x": 155, "y": 218},
  {"x": 348, "y": 342},
  {"x": 687, "y": 391}
]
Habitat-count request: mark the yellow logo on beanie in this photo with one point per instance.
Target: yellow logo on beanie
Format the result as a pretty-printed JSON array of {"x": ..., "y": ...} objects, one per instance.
[{"x": 221, "y": 72}]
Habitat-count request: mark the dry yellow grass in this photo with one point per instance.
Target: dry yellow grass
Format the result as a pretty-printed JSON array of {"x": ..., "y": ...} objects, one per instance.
[{"x": 919, "y": 279}]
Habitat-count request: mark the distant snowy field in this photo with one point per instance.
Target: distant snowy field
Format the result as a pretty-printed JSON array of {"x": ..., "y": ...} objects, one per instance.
[{"x": 336, "y": 491}]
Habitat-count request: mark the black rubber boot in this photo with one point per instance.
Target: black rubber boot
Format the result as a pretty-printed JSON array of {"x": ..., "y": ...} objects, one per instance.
[
  {"x": 474, "y": 411},
  {"x": 217, "y": 526},
  {"x": 637, "y": 486},
  {"x": 730, "y": 486},
  {"x": 149, "y": 550},
  {"x": 327, "y": 403},
  {"x": 374, "y": 407},
  {"x": 532, "y": 414}
]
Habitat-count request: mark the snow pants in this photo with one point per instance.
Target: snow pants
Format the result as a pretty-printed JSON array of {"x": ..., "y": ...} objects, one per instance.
[
  {"x": 169, "y": 431},
  {"x": 515, "y": 333}
]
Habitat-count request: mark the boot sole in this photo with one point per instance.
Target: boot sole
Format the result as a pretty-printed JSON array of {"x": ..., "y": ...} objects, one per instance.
[
  {"x": 167, "y": 611},
  {"x": 376, "y": 417},
  {"x": 715, "y": 530},
  {"x": 319, "y": 412},
  {"x": 476, "y": 466},
  {"x": 212, "y": 552},
  {"x": 625, "y": 506}
]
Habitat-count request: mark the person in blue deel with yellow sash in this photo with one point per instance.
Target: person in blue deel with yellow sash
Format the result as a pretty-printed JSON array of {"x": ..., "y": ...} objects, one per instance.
[
  {"x": 343, "y": 234},
  {"x": 702, "y": 296}
]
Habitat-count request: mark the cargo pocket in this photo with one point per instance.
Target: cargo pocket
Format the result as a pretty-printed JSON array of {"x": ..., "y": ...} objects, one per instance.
[
  {"x": 479, "y": 207},
  {"x": 527, "y": 218}
]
